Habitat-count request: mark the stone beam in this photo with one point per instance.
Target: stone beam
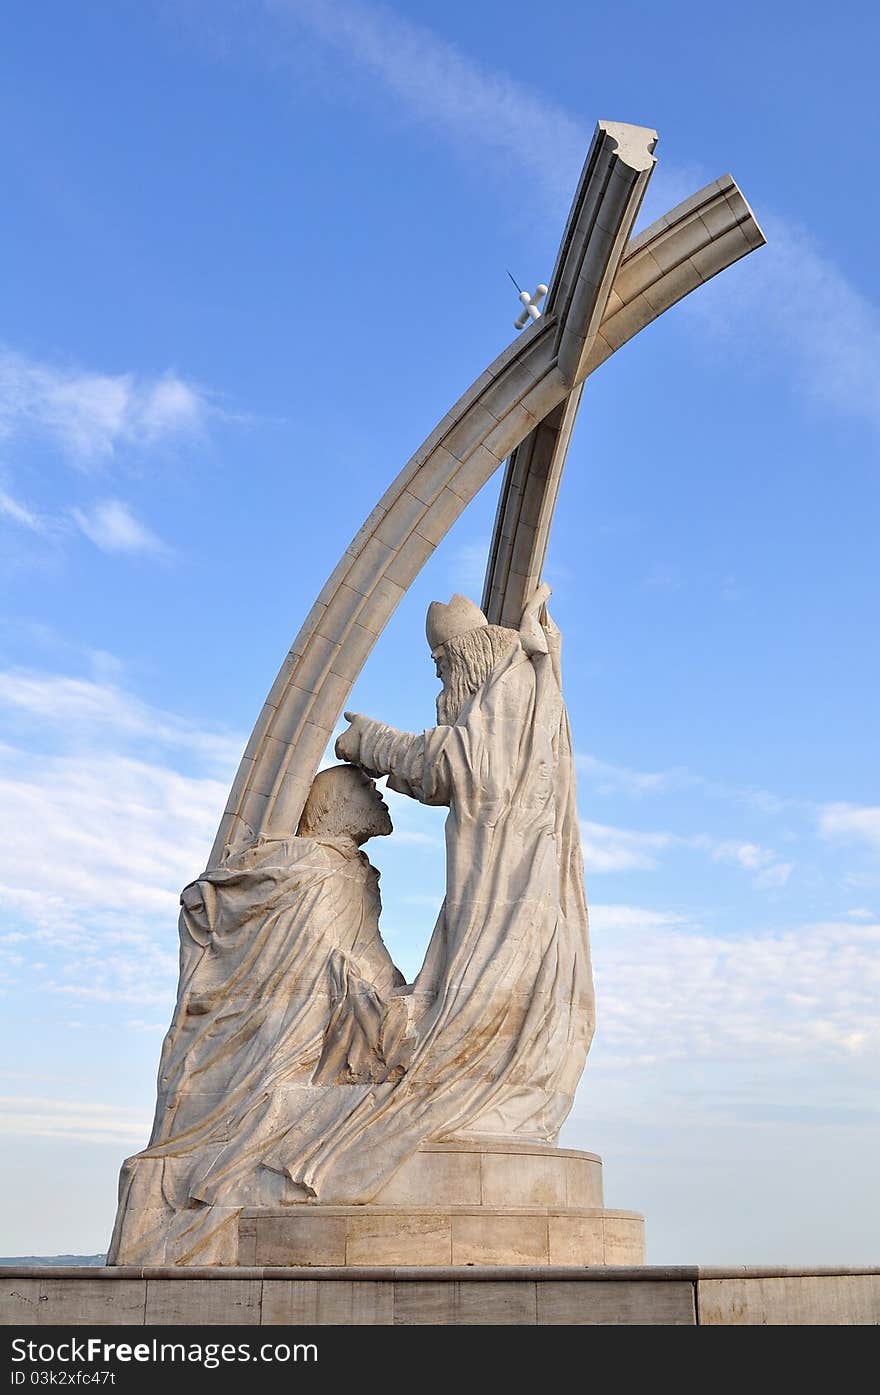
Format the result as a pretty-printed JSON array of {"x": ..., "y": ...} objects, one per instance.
[
  {"x": 534, "y": 375},
  {"x": 605, "y": 205},
  {"x": 681, "y": 251}
]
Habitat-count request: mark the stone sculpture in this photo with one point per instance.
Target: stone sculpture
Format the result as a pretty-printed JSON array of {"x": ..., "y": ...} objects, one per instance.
[
  {"x": 312, "y": 1107},
  {"x": 506, "y": 988},
  {"x": 283, "y": 978}
]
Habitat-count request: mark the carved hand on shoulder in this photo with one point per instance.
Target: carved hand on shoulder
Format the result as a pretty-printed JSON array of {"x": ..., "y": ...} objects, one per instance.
[{"x": 534, "y": 619}]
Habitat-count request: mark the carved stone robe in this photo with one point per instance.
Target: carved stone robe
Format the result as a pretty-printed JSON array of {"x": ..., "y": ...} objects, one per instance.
[
  {"x": 298, "y": 1067},
  {"x": 283, "y": 982},
  {"x": 502, "y": 1013}
]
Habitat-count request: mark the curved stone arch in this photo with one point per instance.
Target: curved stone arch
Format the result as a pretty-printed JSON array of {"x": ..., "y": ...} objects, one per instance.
[{"x": 538, "y": 373}]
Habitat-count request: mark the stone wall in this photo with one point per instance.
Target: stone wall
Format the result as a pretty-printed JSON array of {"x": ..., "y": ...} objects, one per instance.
[{"x": 441, "y": 1295}]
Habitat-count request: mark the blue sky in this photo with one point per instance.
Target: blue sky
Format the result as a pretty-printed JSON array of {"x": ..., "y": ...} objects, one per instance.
[{"x": 254, "y": 251}]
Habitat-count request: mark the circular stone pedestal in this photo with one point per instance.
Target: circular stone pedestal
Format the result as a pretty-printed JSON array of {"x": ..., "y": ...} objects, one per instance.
[{"x": 458, "y": 1203}]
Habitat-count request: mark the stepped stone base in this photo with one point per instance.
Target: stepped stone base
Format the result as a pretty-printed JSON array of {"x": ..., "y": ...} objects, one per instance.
[
  {"x": 365, "y": 1235},
  {"x": 472, "y": 1202}
]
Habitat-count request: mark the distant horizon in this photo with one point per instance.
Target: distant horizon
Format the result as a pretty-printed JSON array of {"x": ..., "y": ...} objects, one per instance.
[{"x": 53, "y": 1261}]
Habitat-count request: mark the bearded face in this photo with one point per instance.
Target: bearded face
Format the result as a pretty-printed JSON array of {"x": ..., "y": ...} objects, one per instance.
[{"x": 464, "y": 663}]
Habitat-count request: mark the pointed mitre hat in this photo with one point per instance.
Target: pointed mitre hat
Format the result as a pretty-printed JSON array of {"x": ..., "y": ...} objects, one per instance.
[{"x": 447, "y": 622}]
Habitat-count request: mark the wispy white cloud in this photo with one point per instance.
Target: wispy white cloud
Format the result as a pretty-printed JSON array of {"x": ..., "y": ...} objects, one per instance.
[
  {"x": 609, "y": 917},
  {"x": 807, "y": 992},
  {"x": 101, "y": 832},
  {"x": 852, "y": 822},
  {"x": 89, "y": 712},
  {"x": 467, "y": 567},
  {"x": 439, "y": 85},
  {"x": 90, "y": 1121},
  {"x": 93, "y": 832},
  {"x": 91, "y": 416},
  {"x": 791, "y": 306},
  {"x": 790, "y": 303},
  {"x": 608, "y": 849},
  {"x": 20, "y": 513},
  {"x": 111, "y": 526},
  {"x": 769, "y": 870},
  {"x": 414, "y": 837},
  {"x": 607, "y": 778},
  {"x": 110, "y": 806},
  {"x": 108, "y": 523}
]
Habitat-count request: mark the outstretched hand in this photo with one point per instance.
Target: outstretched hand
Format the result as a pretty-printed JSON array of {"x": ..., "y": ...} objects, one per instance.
[{"x": 348, "y": 744}]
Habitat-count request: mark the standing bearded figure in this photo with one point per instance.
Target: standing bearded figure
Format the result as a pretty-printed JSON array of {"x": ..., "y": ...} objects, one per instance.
[{"x": 501, "y": 1014}]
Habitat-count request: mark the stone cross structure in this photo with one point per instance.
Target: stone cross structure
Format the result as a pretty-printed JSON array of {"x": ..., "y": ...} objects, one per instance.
[
  {"x": 604, "y": 289},
  {"x": 313, "y": 1107}
]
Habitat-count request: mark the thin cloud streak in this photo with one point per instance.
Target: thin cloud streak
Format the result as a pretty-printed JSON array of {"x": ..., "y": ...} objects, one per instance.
[
  {"x": 450, "y": 92},
  {"x": 768, "y": 869},
  {"x": 20, "y": 513},
  {"x": 91, "y": 416},
  {"x": 89, "y": 1121},
  {"x": 83, "y": 707},
  {"x": 810, "y": 991},
  {"x": 102, "y": 829},
  {"x": 608, "y": 778},
  {"x": 109, "y": 524},
  {"x": 792, "y": 299},
  {"x": 467, "y": 565},
  {"x": 112, "y": 527},
  {"x": 851, "y": 822},
  {"x": 789, "y": 297},
  {"x": 608, "y": 849}
]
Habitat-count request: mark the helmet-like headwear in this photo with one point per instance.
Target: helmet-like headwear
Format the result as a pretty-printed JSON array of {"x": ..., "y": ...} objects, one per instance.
[{"x": 445, "y": 622}]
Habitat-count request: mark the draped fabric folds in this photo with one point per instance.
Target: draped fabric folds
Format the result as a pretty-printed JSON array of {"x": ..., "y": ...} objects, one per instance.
[
  {"x": 298, "y": 1067},
  {"x": 274, "y": 945}
]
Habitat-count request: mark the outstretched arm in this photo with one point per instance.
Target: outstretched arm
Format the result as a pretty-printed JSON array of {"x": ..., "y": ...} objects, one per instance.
[
  {"x": 417, "y": 764},
  {"x": 377, "y": 748}
]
